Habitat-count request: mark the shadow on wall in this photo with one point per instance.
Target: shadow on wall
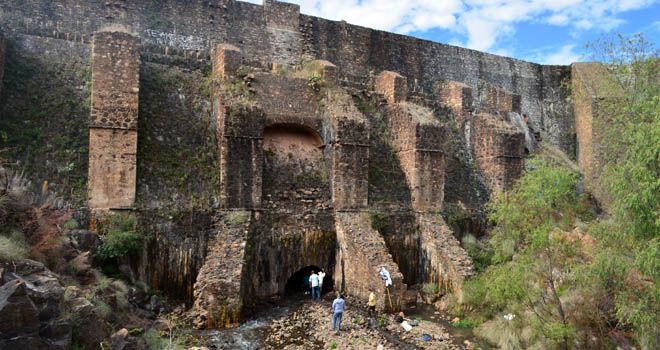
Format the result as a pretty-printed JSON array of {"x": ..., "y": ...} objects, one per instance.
[{"x": 296, "y": 286}]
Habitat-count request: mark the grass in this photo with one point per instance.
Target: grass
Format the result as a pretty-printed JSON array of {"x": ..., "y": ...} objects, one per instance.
[{"x": 12, "y": 249}]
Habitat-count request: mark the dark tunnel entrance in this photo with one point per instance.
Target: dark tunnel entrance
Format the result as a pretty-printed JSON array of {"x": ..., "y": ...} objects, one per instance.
[{"x": 296, "y": 286}]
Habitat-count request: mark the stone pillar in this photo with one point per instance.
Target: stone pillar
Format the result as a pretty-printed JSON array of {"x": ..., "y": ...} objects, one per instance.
[
  {"x": 593, "y": 88},
  {"x": 499, "y": 149},
  {"x": 392, "y": 85},
  {"x": 114, "y": 120},
  {"x": 417, "y": 139},
  {"x": 226, "y": 60},
  {"x": 498, "y": 101},
  {"x": 240, "y": 138},
  {"x": 457, "y": 97},
  {"x": 218, "y": 292}
]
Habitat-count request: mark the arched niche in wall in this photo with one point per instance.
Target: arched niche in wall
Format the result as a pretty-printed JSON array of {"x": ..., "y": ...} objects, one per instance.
[{"x": 295, "y": 172}]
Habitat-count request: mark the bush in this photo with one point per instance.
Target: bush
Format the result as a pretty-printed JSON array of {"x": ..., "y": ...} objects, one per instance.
[{"x": 121, "y": 238}]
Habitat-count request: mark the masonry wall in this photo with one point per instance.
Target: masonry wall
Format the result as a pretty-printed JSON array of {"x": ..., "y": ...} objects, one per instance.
[
  {"x": 3, "y": 52},
  {"x": 182, "y": 32},
  {"x": 44, "y": 111}
]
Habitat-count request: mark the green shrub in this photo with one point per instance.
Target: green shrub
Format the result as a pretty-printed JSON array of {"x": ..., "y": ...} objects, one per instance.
[
  {"x": 154, "y": 341},
  {"x": 121, "y": 238},
  {"x": 71, "y": 224},
  {"x": 430, "y": 288}
]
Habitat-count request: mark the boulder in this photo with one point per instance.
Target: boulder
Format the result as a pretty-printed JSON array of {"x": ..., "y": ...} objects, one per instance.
[
  {"x": 30, "y": 314},
  {"x": 85, "y": 240},
  {"x": 118, "y": 339}
]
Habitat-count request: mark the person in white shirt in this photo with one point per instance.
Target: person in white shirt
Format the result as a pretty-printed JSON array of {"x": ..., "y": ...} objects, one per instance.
[
  {"x": 321, "y": 277},
  {"x": 314, "y": 282},
  {"x": 385, "y": 276}
]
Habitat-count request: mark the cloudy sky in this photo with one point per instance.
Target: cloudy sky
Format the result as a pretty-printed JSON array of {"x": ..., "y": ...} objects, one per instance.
[{"x": 544, "y": 31}]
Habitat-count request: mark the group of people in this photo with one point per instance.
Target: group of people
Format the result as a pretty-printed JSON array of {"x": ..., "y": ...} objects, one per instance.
[{"x": 314, "y": 282}]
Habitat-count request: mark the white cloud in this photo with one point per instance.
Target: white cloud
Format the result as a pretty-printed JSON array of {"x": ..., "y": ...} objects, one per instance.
[
  {"x": 482, "y": 23},
  {"x": 565, "y": 55}
]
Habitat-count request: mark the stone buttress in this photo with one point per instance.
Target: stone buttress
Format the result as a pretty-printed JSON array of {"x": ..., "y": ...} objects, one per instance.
[
  {"x": 362, "y": 250},
  {"x": 593, "y": 89},
  {"x": 498, "y": 147},
  {"x": 114, "y": 120},
  {"x": 218, "y": 301},
  {"x": 311, "y": 211},
  {"x": 417, "y": 138}
]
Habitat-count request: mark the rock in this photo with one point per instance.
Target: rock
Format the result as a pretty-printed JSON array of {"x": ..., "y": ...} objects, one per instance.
[
  {"x": 85, "y": 240},
  {"x": 30, "y": 313},
  {"x": 118, "y": 339},
  {"x": 82, "y": 263},
  {"x": 456, "y": 320}
]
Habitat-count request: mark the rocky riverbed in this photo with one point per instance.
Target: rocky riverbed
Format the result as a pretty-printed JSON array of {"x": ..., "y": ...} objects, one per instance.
[{"x": 307, "y": 325}]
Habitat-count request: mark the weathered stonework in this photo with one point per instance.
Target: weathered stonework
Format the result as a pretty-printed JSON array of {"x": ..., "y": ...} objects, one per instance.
[
  {"x": 457, "y": 97},
  {"x": 593, "y": 88},
  {"x": 362, "y": 251},
  {"x": 113, "y": 120},
  {"x": 497, "y": 100},
  {"x": 392, "y": 85},
  {"x": 307, "y": 158},
  {"x": 217, "y": 292},
  {"x": 499, "y": 150},
  {"x": 3, "y": 47},
  {"x": 418, "y": 139},
  {"x": 226, "y": 60},
  {"x": 112, "y": 168}
]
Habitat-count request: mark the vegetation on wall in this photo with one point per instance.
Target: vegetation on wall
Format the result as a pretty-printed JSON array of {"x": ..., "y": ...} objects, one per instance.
[
  {"x": 43, "y": 129},
  {"x": 563, "y": 275}
]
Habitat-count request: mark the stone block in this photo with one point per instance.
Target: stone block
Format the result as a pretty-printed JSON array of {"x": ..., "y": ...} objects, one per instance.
[
  {"x": 499, "y": 149},
  {"x": 498, "y": 101},
  {"x": 115, "y": 80},
  {"x": 226, "y": 59},
  {"x": 362, "y": 251},
  {"x": 112, "y": 165},
  {"x": 326, "y": 70},
  {"x": 417, "y": 138},
  {"x": 392, "y": 85},
  {"x": 458, "y": 97}
]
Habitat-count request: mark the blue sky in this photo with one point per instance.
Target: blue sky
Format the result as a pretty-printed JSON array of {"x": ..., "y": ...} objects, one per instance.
[{"x": 543, "y": 31}]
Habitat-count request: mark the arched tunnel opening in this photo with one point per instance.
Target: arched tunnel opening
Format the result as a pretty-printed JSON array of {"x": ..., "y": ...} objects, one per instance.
[{"x": 296, "y": 286}]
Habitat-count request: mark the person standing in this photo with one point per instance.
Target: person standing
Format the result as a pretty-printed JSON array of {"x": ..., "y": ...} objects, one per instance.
[
  {"x": 321, "y": 277},
  {"x": 314, "y": 282},
  {"x": 371, "y": 304},
  {"x": 337, "y": 312},
  {"x": 306, "y": 283}
]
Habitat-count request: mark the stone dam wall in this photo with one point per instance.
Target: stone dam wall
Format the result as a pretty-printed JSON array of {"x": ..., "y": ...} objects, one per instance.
[{"x": 254, "y": 142}]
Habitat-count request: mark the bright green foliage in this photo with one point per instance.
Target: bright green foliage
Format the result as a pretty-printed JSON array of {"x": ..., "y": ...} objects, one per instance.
[
  {"x": 120, "y": 239},
  {"x": 535, "y": 252},
  {"x": 580, "y": 282}
]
